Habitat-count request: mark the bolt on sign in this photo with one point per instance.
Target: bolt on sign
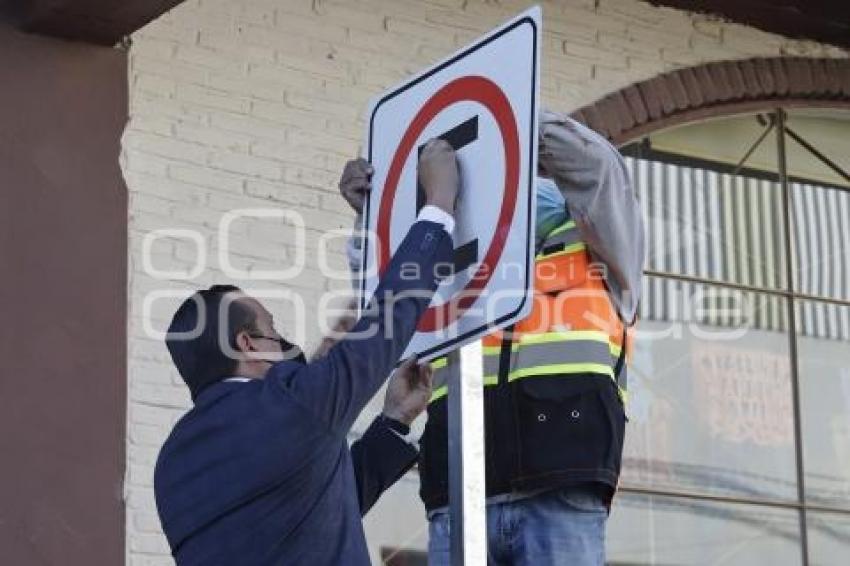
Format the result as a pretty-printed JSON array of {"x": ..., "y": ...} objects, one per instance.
[{"x": 484, "y": 101}]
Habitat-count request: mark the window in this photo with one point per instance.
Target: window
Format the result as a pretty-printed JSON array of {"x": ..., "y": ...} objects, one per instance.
[{"x": 738, "y": 446}]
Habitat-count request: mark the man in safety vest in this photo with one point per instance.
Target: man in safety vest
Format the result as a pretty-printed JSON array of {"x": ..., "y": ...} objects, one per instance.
[{"x": 555, "y": 384}]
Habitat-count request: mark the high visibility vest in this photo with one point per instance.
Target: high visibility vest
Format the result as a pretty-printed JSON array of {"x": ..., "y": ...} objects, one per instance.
[{"x": 573, "y": 328}]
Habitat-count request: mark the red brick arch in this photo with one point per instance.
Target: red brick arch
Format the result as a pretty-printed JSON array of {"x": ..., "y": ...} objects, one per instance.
[{"x": 718, "y": 89}]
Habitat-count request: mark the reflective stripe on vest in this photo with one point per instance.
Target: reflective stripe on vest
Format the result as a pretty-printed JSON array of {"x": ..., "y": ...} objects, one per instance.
[
  {"x": 562, "y": 240},
  {"x": 573, "y": 327},
  {"x": 444, "y": 368}
]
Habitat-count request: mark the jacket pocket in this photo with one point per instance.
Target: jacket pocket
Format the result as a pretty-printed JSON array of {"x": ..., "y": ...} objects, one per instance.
[{"x": 565, "y": 427}]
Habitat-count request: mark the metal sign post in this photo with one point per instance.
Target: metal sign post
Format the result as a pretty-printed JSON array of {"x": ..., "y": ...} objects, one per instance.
[{"x": 468, "y": 512}]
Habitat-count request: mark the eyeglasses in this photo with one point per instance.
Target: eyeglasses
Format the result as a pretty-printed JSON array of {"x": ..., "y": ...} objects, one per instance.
[{"x": 275, "y": 338}]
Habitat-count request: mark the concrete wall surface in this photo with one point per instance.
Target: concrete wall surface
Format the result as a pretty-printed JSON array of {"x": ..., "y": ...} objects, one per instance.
[{"x": 63, "y": 248}]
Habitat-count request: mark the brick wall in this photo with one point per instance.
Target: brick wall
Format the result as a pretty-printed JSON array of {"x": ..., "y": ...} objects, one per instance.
[{"x": 252, "y": 104}]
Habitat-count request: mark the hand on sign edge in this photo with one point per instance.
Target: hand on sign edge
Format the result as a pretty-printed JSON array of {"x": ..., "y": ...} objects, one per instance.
[
  {"x": 408, "y": 391},
  {"x": 356, "y": 182}
]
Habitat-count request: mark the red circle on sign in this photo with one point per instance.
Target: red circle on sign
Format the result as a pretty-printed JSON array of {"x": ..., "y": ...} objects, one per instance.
[{"x": 487, "y": 93}]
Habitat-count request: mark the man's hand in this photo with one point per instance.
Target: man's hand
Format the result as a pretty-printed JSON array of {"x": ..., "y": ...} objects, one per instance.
[
  {"x": 439, "y": 174},
  {"x": 356, "y": 182},
  {"x": 408, "y": 391}
]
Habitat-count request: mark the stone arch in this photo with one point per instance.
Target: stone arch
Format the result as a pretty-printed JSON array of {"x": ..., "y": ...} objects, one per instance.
[{"x": 718, "y": 89}]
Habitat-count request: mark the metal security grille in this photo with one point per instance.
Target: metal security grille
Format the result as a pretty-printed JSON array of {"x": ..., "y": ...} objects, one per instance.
[
  {"x": 821, "y": 243},
  {"x": 719, "y": 227}
]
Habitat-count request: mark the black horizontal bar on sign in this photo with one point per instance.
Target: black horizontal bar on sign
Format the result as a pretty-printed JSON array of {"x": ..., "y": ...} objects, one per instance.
[{"x": 458, "y": 137}]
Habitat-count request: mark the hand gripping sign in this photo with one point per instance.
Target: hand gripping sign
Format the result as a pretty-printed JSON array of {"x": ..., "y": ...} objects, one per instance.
[{"x": 484, "y": 102}]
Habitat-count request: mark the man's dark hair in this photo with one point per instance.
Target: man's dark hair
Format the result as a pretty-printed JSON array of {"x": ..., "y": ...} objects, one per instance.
[{"x": 193, "y": 336}]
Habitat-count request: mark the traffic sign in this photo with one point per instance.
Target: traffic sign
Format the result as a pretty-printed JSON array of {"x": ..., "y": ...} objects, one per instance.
[{"x": 484, "y": 101}]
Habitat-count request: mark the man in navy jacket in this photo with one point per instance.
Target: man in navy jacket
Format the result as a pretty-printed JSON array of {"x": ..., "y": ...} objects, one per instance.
[{"x": 259, "y": 471}]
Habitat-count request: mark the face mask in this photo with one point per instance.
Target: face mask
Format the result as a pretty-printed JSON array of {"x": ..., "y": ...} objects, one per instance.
[
  {"x": 551, "y": 208},
  {"x": 291, "y": 352}
]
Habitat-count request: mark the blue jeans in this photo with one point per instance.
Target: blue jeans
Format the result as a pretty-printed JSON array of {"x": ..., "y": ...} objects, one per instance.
[{"x": 559, "y": 527}]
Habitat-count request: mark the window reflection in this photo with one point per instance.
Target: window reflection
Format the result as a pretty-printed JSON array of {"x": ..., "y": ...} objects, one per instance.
[
  {"x": 396, "y": 527},
  {"x": 713, "y": 225},
  {"x": 820, "y": 206},
  {"x": 825, "y": 403},
  {"x": 646, "y": 529},
  {"x": 821, "y": 245},
  {"x": 829, "y": 538},
  {"x": 710, "y": 400}
]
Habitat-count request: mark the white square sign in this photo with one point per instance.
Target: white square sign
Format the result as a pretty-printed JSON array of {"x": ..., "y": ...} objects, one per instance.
[{"x": 484, "y": 101}]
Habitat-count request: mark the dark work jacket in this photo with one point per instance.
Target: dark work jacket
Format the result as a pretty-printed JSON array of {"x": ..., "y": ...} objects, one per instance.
[
  {"x": 261, "y": 473},
  {"x": 541, "y": 433}
]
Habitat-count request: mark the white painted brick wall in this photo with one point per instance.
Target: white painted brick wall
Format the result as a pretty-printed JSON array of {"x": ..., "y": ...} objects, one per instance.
[{"x": 258, "y": 103}]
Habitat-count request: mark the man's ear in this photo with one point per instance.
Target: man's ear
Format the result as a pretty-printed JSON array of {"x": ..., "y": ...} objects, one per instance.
[{"x": 243, "y": 342}]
